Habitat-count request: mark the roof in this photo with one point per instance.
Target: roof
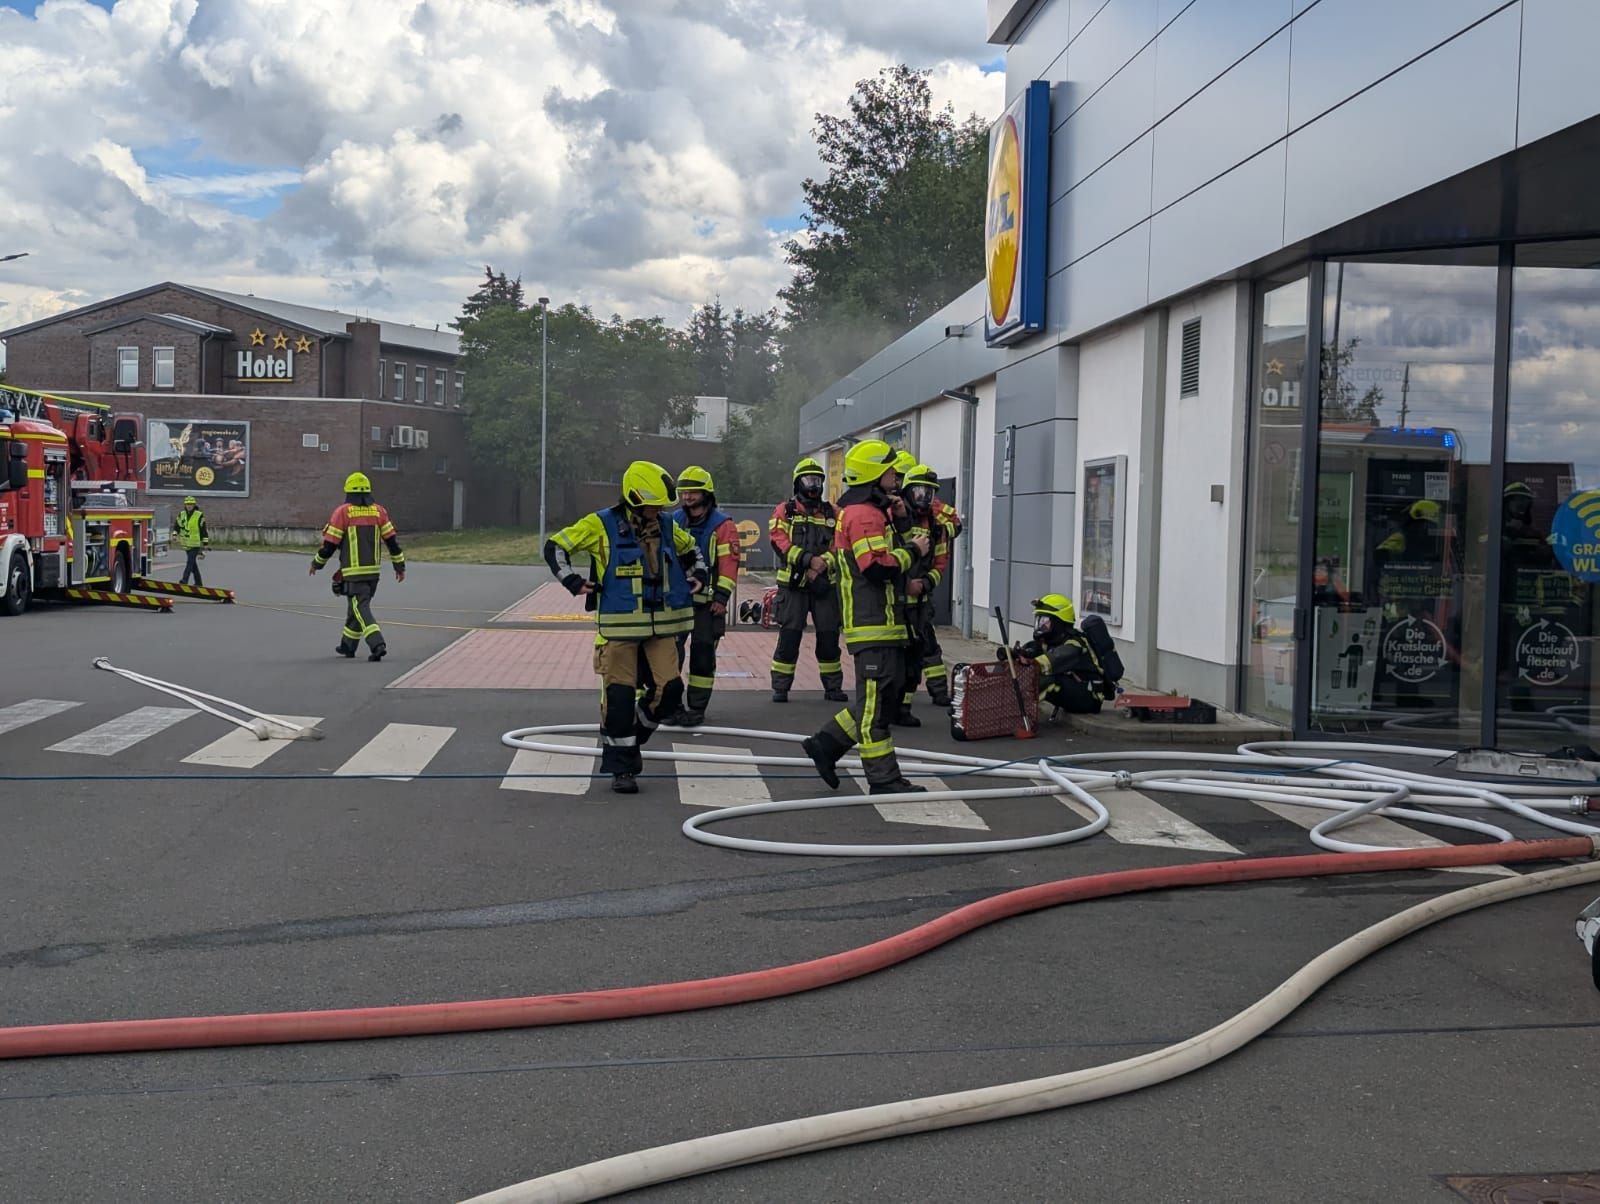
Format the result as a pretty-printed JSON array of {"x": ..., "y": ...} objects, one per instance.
[
  {"x": 332, "y": 321},
  {"x": 192, "y": 325},
  {"x": 322, "y": 321}
]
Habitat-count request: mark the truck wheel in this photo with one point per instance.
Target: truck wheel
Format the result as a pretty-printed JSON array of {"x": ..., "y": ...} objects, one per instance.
[
  {"x": 19, "y": 589},
  {"x": 120, "y": 574}
]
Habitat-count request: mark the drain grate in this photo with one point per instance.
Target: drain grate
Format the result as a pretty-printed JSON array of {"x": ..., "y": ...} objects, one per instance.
[{"x": 1571, "y": 1187}]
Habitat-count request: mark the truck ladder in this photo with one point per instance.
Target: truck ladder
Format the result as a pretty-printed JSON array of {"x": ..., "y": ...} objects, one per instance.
[
  {"x": 26, "y": 403},
  {"x": 104, "y": 597}
]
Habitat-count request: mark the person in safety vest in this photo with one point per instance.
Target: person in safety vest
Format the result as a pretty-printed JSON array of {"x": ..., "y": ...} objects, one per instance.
[
  {"x": 717, "y": 536},
  {"x": 1071, "y": 677},
  {"x": 872, "y": 586},
  {"x": 355, "y": 530},
  {"x": 644, "y": 571},
  {"x": 801, "y": 532},
  {"x": 924, "y": 657},
  {"x": 190, "y": 527}
]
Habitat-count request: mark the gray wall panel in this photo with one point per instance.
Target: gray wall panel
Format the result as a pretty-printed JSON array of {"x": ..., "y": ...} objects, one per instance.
[
  {"x": 1108, "y": 284},
  {"x": 1114, "y": 119},
  {"x": 1044, "y": 529},
  {"x": 1028, "y": 581},
  {"x": 1106, "y": 45},
  {"x": 1240, "y": 215},
  {"x": 1042, "y": 48},
  {"x": 1206, "y": 39},
  {"x": 1045, "y": 456},
  {"x": 1560, "y": 83},
  {"x": 1105, "y": 205},
  {"x": 1450, "y": 110},
  {"x": 1084, "y": 11},
  {"x": 1341, "y": 46},
  {"x": 1031, "y": 391},
  {"x": 1231, "y": 120}
]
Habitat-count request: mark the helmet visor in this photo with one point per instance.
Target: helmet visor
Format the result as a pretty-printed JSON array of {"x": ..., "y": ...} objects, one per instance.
[
  {"x": 810, "y": 482},
  {"x": 920, "y": 496}
]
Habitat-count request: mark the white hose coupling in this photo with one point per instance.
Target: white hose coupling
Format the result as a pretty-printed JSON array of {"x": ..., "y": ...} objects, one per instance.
[{"x": 1122, "y": 779}]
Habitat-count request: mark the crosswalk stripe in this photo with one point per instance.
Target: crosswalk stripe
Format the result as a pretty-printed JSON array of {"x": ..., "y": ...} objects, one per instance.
[
  {"x": 240, "y": 749},
  {"x": 1138, "y": 819},
  {"x": 1377, "y": 830},
  {"x": 124, "y": 731},
  {"x": 938, "y": 814},
  {"x": 20, "y": 714},
  {"x": 398, "y": 752},
  {"x": 528, "y": 761},
  {"x": 718, "y": 783}
]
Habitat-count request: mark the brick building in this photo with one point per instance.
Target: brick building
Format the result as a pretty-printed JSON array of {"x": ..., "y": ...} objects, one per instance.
[{"x": 262, "y": 407}]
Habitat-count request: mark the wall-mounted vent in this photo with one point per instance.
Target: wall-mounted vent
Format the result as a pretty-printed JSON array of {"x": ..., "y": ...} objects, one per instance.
[{"x": 1189, "y": 370}]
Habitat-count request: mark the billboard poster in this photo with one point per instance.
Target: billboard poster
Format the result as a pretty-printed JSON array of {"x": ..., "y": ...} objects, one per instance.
[
  {"x": 1104, "y": 516},
  {"x": 1016, "y": 218},
  {"x": 202, "y": 456}
]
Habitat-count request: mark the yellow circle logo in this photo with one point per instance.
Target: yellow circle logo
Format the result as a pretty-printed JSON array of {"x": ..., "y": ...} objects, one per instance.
[
  {"x": 749, "y": 532},
  {"x": 204, "y": 476},
  {"x": 1003, "y": 226}
]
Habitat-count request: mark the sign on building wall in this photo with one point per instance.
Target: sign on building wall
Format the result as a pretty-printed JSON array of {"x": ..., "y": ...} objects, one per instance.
[
  {"x": 1105, "y": 506},
  {"x": 269, "y": 357},
  {"x": 198, "y": 455},
  {"x": 1015, "y": 223}
]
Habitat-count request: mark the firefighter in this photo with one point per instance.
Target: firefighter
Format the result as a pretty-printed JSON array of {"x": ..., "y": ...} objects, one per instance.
[
  {"x": 354, "y": 531},
  {"x": 190, "y": 527},
  {"x": 644, "y": 571},
  {"x": 872, "y": 575},
  {"x": 924, "y": 657},
  {"x": 1071, "y": 677},
  {"x": 718, "y": 538},
  {"x": 801, "y": 532}
]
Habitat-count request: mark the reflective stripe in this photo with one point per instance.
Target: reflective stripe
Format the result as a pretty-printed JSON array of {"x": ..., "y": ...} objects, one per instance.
[
  {"x": 783, "y": 667},
  {"x": 644, "y": 720},
  {"x": 620, "y": 741},
  {"x": 830, "y": 667},
  {"x": 871, "y": 750},
  {"x": 703, "y": 683},
  {"x": 847, "y": 721},
  {"x": 936, "y": 670},
  {"x": 726, "y": 583}
]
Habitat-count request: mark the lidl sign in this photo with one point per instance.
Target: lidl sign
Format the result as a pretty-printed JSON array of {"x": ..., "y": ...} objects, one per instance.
[{"x": 1015, "y": 220}]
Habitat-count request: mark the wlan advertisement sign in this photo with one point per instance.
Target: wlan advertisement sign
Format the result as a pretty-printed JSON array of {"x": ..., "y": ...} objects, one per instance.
[
  {"x": 202, "y": 456},
  {"x": 1015, "y": 220}
]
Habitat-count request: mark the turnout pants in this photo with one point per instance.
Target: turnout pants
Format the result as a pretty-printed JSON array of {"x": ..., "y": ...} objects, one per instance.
[
  {"x": 924, "y": 658},
  {"x": 191, "y": 567},
  {"x": 823, "y": 608},
  {"x": 358, "y": 621},
  {"x": 627, "y": 719},
  {"x": 880, "y": 676},
  {"x": 702, "y": 648}
]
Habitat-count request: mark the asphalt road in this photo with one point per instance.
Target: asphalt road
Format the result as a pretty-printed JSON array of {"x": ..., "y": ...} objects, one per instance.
[{"x": 1467, "y": 1050}]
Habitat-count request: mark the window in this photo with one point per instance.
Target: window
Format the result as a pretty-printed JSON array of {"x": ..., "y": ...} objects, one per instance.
[
  {"x": 1189, "y": 372},
  {"x": 422, "y": 387},
  {"x": 383, "y": 375},
  {"x": 377, "y": 434},
  {"x": 399, "y": 382},
  {"x": 385, "y": 461},
  {"x": 700, "y": 428},
  {"x": 166, "y": 367},
  {"x": 441, "y": 465},
  {"x": 310, "y": 441},
  {"x": 438, "y": 387},
  {"x": 461, "y": 389},
  {"x": 127, "y": 367}
]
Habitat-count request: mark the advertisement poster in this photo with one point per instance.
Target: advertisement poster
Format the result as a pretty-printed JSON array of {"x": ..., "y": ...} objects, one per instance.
[
  {"x": 199, "y": 456},
  {"x": 1104, "y": 509}
]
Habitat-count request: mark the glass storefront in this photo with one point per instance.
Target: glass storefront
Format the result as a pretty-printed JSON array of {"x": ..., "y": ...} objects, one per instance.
[{"x": 1434, "y": 579}]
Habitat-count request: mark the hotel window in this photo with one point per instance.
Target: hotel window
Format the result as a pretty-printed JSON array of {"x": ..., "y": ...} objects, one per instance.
[
  {"x": 461, "y": 389},
  {"x": 385, "y": 462},
  {"x": 399, "y": 382},
  {"x": 438, "y": 387},
  {"x": 127, "y": 367},
  {"x": 422, "y": 387},
  {"x": 166, "y": 367}
]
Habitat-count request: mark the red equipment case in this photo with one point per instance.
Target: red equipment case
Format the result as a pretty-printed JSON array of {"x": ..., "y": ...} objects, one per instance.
[{"x": 983, "y": 703}]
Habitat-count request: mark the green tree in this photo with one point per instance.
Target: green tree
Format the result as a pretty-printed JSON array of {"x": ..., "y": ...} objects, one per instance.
[
  {"x": 711, "y": 344},
  {"x": 495, "y": 291},
  {"x": 754, "y": 354},
  {"x": 1339, "y": 400}
]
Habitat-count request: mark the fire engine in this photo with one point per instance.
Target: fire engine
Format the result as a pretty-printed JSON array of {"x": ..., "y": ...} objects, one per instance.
[{"x": 69, "y": 526}]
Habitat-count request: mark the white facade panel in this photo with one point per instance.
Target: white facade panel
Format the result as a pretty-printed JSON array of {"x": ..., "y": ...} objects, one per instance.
[
  {"x": 1108, "y": 285},
  {"x": 1107, "y": 44},
  {"x": 1242, "y": 215},
  {"x": 1098, "y": 209},
  {"x": 1110, "y": 397},
  {"x": 978, "y": 509},
  {"x": 1114, "y": 118},
  {"x": 939, "y": 436},
  {"x": 1560, "y": 85},
  {"x": 1197, "y": 597},
  {"x": 1205, "y": 39}
]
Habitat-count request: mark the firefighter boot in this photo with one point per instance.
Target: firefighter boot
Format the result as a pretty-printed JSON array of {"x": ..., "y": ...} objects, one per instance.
[
  {"x": 898, "y": 786},
  {"x": 624, "y": 783},
  {"x": 345, "y": 648},
  {"x": 379, "y": 651},
  {"x": 824, "y": 753}
]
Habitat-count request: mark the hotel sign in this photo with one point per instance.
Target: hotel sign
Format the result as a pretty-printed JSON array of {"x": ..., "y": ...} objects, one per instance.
[
  {"x": 262, "y": 362},
  {"x": 1015, "y": 219}
]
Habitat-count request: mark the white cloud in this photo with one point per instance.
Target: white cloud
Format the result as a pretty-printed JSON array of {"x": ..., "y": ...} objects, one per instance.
[{"x": 625, "y": 154}]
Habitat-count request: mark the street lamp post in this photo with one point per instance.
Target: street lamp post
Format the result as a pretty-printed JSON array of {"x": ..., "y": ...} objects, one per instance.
[{"x": 544, "y": 398}]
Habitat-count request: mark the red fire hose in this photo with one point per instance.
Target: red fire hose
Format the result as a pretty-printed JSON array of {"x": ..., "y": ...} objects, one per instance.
[{"x": 196, "y": 1032}]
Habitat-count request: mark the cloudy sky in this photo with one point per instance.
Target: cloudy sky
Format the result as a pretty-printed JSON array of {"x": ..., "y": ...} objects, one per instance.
[{"x": 634, "y": 155}]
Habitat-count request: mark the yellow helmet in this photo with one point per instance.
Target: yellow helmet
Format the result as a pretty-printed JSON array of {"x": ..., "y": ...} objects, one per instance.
[
  {"x": 1057, "y": 606},
  {"x": 867, "y": 461},
  {"x": 921, "y": 474},
  {"x": 647, "y": 484},
  {"x": 1426, "y": 511},
  {"x": 695, "y": 477},
  {"x": 904, "y": 462},
  {"x": 189, "y": 501},
  {"x": 808, "y": 467},
  {"x": 357, "y": 482}
]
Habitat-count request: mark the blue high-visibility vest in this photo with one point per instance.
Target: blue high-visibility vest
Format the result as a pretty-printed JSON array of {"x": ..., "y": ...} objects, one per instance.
[{"x": 633, "y": 603}]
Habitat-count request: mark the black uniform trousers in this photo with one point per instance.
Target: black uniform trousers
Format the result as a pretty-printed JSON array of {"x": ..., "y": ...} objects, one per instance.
[
  {"x": 359, "y": 623},
  {"x": 880, "y": 677},
  {"x": 627, "y": 721},
  {"x": 924, "y": 657},
  {"x": 191, "y": 566},
  {"x": 821, "y": 603},
  {"x": 702, "y": 648}
]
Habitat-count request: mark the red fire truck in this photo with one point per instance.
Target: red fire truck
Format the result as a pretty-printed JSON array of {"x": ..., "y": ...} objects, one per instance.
[{"x": 70, "y": 529}]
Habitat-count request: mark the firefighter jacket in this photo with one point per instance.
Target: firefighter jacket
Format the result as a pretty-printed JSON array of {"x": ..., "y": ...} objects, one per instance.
[
  {"x": 1067, "y": 654},
  {"x": 643, "y": 576},
  {"x": 718, "y": 538},
  {"x": 935, "y": 563},
  {"x": 945, "y": 514},
  {"x": 355, "y": 532},
  {"x": 191, "y": 528},
  {"x": 872, "y": 571},
  {"x": 797, "y": 532}
]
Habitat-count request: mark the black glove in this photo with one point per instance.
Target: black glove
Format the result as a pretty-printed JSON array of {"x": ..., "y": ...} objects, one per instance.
[{"x": 574, "y": 584}]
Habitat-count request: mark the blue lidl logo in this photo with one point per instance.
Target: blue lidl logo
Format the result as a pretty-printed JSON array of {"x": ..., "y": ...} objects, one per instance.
[{"x": 1575, "y": 535}]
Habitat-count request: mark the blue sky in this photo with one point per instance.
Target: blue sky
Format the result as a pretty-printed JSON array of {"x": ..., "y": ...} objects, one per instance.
[{"x": 181, "y": 168}]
